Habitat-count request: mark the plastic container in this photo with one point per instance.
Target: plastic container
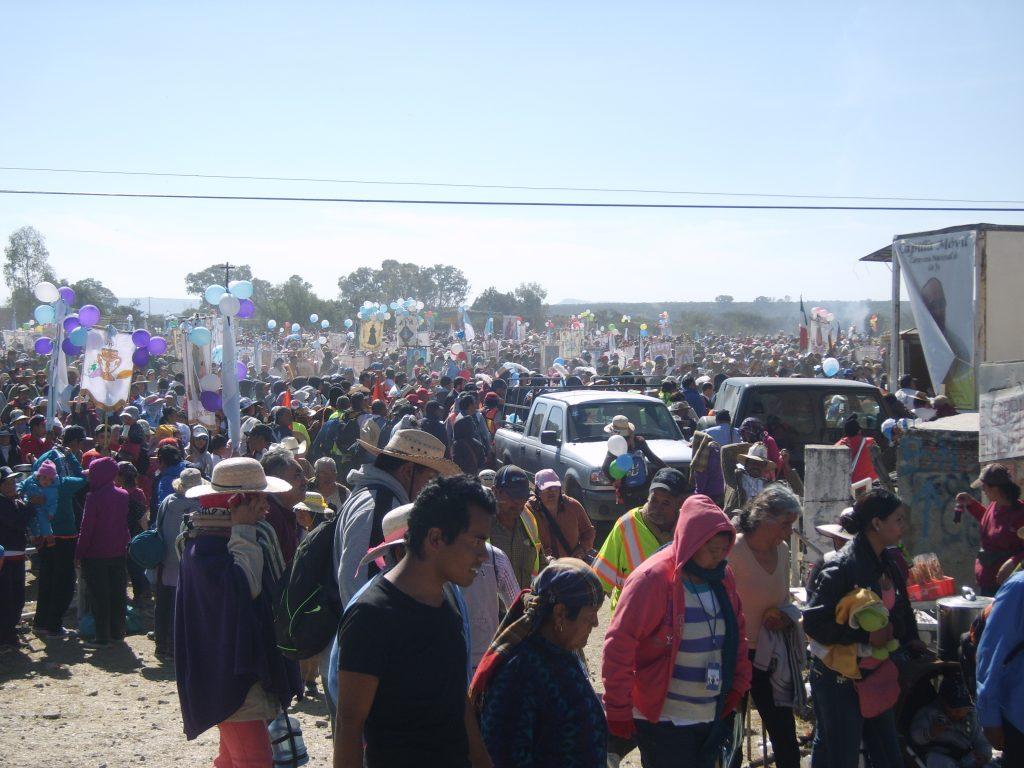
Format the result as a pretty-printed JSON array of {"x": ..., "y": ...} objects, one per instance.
[
  {"x": 287, "y": 742},
  {"x": 931, "y": 590}
]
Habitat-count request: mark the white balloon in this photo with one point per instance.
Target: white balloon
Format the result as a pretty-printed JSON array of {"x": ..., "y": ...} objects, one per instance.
[
  {"x": 46, "y": 292},
  {"x": 456, "y": 348},
  {"x": 210, "y": 382},
  {"x": 229, "y": 304},
  {"x": 617, "y": 445}
]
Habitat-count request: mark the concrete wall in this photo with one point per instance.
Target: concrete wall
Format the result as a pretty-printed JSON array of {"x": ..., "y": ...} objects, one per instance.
[
  {"x": 826, "y": 489},
  {"x": 934, "y": 465}
]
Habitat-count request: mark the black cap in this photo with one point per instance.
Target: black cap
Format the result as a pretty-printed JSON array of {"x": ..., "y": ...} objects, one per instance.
[
  {"x": 6, "y": 473},
  {"x": 671, "y": 480},
  {"x": 37, "y": 419},
  {"x": 262, "y": 430},
  {"x": 513, "y": 481}
]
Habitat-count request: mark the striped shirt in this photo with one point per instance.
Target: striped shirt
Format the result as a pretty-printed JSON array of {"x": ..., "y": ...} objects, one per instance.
[{"x": 688, "y": 700}]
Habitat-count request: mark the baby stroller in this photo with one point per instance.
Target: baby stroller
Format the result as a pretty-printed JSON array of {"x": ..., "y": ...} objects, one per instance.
[{"x": 919, "y": 686}]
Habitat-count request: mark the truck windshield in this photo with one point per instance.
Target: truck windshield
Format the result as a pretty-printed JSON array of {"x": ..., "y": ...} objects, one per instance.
[{"x": 652, "y": 420}]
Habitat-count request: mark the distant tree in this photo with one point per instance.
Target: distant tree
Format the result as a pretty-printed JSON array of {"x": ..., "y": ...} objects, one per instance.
[
  {"x": 196, "y": 283},
  {"x": 762, "y": 300},
  {"x": 89, "y": 290},
  {"x": 439, "y": 286},
  {"x": 724, "y": 299},
  {"x": 787, "y": 298},
  {"x": 494, "y": 301},
  {"x": 26, "y": 263}
]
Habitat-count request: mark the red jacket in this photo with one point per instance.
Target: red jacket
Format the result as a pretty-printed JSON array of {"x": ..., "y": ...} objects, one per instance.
[{"x": 643, "y": 637}]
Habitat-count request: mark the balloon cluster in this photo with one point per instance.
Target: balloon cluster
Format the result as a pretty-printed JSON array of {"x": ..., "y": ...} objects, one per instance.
[
  {"x": 623, "y": 464},
  {"x": 586, "y": 315},
  {"x": 145, "y": 346},
  {"x": 315, "y": 318},
  {"x": 643, "y": 330},
  {"x": 233, "y": 301},
  {"x": 626, "y": 319},
  {"x": 374, "y": 311},
  {"x": 76, "y": 325}
]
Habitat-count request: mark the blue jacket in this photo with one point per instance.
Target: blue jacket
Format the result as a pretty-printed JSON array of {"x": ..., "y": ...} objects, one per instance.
[
  {"x": 68, "y": 469},
  {"x": 1000, "y": 695},
  {"x": 42, "y": 521}
]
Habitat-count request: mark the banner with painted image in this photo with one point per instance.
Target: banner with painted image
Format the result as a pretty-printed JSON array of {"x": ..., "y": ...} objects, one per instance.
[
  {"x": 107, "y": 370},
  {"x": 938, "y": 271},
  {"x": 371, "y": 334}
]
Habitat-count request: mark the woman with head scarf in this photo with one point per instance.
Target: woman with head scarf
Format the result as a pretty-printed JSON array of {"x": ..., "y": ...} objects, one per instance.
[
  {"x": 675, "y": 655},
  {"x": 536, "y": 703}
]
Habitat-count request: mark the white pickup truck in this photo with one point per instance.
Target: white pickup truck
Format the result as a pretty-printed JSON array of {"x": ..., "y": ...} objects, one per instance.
[{"x": 564, "y": 431}]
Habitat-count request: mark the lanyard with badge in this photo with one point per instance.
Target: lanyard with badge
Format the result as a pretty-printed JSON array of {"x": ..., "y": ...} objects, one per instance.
[{"x": 713, "y": 673}]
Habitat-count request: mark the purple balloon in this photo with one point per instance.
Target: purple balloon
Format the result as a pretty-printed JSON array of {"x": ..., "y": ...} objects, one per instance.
[
  {"x": 140, "y": 357},
  {"x": 158, "y": 345},
  {"x": 210, "y": 400},
  {"x": 246, "y": 309},
  {"x": 70, "y": 323},
  {"x": 44, "y": 345},
  {"x": 68, "y": 294},
  {"x": 140, "y": 338},
  {"x": 89, "y": 315},
  {"x": 240, "y": 370},
  {"x": 70, "y": 349}
]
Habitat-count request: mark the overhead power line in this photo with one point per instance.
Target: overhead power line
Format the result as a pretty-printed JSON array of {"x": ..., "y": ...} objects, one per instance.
[
  {"x": 512, "y": 203},
  {"x": 456, "y": 185}
]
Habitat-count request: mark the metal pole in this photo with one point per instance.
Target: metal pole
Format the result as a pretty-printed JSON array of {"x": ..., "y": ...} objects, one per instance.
[{"x": 894, "y": 342}]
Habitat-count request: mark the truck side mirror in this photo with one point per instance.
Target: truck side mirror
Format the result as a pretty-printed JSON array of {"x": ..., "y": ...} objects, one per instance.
[{"x": 549, "y": 437}]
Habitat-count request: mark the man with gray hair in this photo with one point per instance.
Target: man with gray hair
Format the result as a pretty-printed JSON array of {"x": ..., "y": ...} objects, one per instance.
[{"x": 280, "y": 513}]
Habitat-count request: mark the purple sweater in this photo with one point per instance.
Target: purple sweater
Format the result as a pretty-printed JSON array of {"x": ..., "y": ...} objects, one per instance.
[{"x": 105, "y": 518}]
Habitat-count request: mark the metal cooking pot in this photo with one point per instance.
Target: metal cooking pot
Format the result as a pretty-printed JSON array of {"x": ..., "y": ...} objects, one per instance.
[{"x": 956, "y": 614}]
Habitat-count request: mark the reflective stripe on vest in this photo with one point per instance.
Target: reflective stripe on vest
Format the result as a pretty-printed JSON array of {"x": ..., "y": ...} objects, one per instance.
[
  {"x": 533, "y": 534},
  {"x": 631, "y": 543}
]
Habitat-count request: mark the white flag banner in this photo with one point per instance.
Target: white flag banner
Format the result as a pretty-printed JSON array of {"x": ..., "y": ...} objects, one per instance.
[
  {"x": 107, "y": 375},
  {"x": 938, "y": 271}
]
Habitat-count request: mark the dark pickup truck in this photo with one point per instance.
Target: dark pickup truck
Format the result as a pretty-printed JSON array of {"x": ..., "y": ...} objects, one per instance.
[{"x": 799, "y": 412}]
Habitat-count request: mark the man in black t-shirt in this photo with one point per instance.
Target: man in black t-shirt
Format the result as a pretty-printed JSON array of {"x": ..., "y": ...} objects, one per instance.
[{"x": 403, "y": 668}]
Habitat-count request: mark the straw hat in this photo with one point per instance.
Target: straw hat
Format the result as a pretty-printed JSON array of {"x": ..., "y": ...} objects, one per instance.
[
  {"x": 189, "y": 478},
  {"x": 313, "y": 503},
  {"x": 620, "y": 426},
  {"x": 418, "y": 447},
  {"x": 239, "y": 475},
  {"x": 292, "y": 444},
  {"x": 394, "y": 526}
]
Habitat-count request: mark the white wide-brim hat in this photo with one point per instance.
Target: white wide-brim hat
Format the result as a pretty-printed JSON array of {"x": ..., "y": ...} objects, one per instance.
[{"x": 239, "y": 475}]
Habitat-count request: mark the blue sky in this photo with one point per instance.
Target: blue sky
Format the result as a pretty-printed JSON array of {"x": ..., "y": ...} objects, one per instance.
[{"x": 916, "y": 99}]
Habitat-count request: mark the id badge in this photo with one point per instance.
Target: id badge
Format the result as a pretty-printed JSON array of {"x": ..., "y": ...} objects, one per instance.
[{"x": 713, "y": 676}]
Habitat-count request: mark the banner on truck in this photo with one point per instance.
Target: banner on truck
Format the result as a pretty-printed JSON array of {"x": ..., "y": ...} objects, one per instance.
[{"x": 938, "y": 271}]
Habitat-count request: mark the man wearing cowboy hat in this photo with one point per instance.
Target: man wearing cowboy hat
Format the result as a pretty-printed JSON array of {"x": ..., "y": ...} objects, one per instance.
[{"x": 409, "y": 461}]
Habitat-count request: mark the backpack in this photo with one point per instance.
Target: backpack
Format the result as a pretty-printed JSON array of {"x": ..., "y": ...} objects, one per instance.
[
  {"x": 308, "y": 607},
  {"x": 637, "y": 476},
  {"x": 148, "y": 548}
]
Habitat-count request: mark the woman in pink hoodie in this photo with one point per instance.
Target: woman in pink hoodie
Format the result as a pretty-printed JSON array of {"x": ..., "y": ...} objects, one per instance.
[
  {"x": 675, "y": 655},
  {"x": 102, "y": 545}
]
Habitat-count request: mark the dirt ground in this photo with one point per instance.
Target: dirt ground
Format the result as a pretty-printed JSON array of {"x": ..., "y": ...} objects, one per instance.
[{"x": 64, "y": 705}]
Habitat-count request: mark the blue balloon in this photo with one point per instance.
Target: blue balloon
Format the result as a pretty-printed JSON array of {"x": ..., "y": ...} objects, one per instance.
[
  {"x": 213, "y": 294},
  {"x": 559, "y": 361},
  {"x": 271, "y": 324},
  {"x": 296, "y": 328},
  {"x": 44, "y": 314},
  {"x": 78, "y": 336},
  {"x": 217, "y": 354},
  {"x": 325, "y": 324},
  {"x": 348, "y": 323},
  {"x": 240, "y": 289},
  {"x": 200, "y": 336},
  {"x": 624, "y": 462}
]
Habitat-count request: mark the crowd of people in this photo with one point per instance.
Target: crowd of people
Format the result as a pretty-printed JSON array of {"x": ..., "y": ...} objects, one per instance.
[{"x": 462, "y": 592}]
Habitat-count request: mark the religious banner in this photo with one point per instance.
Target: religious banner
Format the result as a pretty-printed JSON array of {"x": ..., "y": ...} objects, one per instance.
[
  {"x": 107, "y": 372},
  {"x": 510, "y": 327},
  {"x": 684, "y": 354},
  {"x": 196, "y": 362},
  {"x": 938, "y": 271},
  {"x": 371, "y": 335},
  {"x": 406, "y": 330},
  {"x": 571, "y": 344},
  {"x": 663, "y": 348}
]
